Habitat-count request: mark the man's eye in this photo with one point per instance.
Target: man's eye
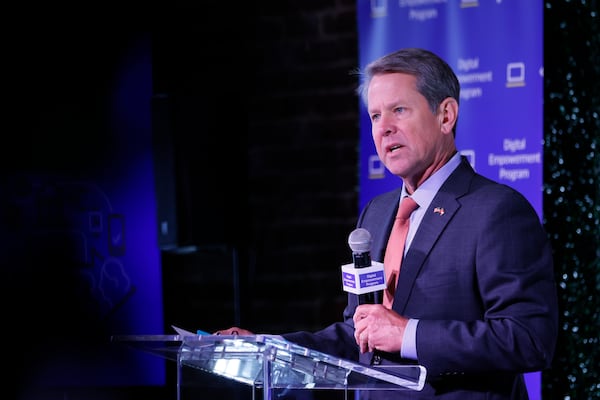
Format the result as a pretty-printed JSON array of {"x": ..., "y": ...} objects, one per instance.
[
  {"x": 374, "y": 117},
  {"x": 399, "y": 110}
]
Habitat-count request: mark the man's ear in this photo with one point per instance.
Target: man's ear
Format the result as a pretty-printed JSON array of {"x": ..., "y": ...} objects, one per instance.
[{"x": 448, "y": 114}]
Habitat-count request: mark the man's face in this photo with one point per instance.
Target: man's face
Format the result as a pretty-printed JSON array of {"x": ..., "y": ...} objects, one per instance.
[{"x": 409, "y": 138}]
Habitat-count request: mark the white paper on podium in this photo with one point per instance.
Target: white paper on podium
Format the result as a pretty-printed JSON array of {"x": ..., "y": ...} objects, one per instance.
[{"x": 182, "y": 332}]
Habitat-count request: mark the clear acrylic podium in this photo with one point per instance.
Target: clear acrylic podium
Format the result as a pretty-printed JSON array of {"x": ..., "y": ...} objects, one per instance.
[{"x": 271, "y": 363}]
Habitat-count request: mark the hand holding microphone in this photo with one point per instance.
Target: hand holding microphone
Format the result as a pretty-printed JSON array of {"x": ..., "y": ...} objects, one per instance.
[{"x": 376, "y": 327}]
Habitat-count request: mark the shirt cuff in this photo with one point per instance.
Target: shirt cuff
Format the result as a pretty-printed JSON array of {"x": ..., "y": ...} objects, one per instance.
[{"x": 409, "y": 340}]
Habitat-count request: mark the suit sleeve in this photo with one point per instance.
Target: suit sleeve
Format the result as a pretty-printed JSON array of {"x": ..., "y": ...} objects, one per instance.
[
  {"x": 336, "y": 339},
  {"x": 505, "y": 318}
]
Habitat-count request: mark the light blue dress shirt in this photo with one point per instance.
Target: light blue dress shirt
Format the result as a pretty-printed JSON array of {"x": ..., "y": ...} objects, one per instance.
[{"x": 423, "y": 196}]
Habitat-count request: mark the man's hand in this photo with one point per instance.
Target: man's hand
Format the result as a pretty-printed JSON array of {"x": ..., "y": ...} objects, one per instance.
[
  {"x": 234, "y": 330},
  {"x": 378, "y": 328}
]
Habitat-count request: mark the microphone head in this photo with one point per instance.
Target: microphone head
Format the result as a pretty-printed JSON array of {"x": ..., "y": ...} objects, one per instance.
[{"x": 360, "y": 240}]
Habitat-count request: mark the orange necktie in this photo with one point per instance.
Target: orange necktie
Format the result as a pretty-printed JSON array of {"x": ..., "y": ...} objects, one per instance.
[{"x": 395, "y": 248}]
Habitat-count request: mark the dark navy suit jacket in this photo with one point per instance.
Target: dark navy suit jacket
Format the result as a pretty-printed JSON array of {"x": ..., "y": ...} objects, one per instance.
[{"x": 479, "y": 277}]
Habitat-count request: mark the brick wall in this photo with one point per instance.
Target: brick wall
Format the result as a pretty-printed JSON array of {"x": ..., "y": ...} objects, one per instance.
[
  {"x": 285, "y": 196},
  {"x": 302, "y": 163}
]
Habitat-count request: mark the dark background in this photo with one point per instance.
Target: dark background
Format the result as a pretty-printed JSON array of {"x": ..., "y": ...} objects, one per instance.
[{"x": 259, "y": 107}]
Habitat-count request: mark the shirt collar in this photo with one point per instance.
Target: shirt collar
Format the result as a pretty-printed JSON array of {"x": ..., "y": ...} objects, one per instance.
[{"x": 427, "y": 190}]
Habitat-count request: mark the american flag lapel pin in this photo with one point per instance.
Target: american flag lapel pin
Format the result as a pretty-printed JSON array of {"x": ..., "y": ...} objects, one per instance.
[{"x": 439, "y": 210}]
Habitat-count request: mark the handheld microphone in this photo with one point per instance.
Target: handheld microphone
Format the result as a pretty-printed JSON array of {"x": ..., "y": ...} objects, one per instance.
[
  {"x": 363, "y": 277},
  {"x": 360, "y": 244}
]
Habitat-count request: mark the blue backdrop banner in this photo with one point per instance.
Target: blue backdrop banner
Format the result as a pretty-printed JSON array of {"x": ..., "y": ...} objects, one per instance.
[{"x": 496, "y": 49}]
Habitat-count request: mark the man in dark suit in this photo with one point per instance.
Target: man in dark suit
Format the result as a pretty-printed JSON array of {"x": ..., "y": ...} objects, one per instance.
[{"x": 476, "y": 300}]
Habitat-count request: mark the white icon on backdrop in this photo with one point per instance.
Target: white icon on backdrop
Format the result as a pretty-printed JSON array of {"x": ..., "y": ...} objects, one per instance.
[
  {"x": 378, "y": 8},
  {"x": 376, "y": 167},
  {"x": 470, "y": 155},
  {"x": 515, "y": 74}
]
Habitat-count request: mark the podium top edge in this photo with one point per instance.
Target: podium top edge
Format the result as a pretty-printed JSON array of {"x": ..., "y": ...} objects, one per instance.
[{"x": 182, "y": 338}]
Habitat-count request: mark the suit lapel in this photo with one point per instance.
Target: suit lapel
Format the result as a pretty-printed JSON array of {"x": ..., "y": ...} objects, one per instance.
[{"x": 437, "y": 216}]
